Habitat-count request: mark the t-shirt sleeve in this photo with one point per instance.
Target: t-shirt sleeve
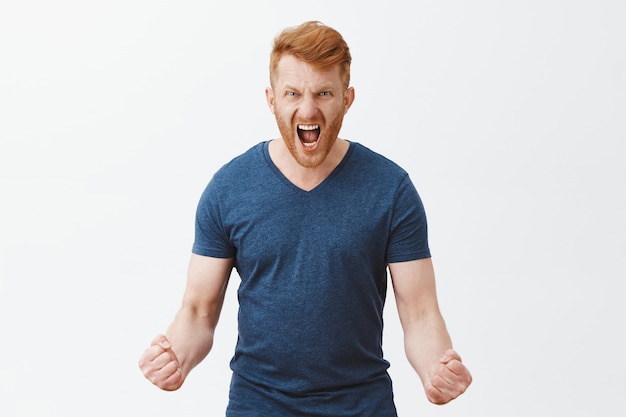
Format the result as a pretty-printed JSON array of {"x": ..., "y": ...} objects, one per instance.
[
  {"x": 211, "y": 237},
  {"x": 408, "y": 238}
]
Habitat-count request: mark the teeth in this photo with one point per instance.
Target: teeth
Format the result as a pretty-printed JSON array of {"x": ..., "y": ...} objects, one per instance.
[
  {"x": 308, "y": 127},
  {"x": 309, "y": 145}
]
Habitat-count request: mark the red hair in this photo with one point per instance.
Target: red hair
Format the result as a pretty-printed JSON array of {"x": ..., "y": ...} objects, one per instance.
[{"x": 314, "y": 43}]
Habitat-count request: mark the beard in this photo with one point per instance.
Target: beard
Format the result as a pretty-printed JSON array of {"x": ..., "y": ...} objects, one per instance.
[{"x": 326, "y": 141}]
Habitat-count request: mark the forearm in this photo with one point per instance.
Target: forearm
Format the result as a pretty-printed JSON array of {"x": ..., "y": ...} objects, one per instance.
[
  {"x": 426, "y": 339},
  {"x": 191, "y": 336}
]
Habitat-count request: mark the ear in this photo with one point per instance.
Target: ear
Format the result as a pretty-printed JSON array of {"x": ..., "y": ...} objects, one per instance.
[
  {"x": 269, "y": 96},
  {"x": 348, "y": 99}
]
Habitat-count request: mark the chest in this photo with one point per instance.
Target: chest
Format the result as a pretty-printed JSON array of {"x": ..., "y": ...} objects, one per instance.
[{"x": 295, "y": 228}]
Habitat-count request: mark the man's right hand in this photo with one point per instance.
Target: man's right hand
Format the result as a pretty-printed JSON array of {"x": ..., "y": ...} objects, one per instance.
[{"x": 160, "y": 365}]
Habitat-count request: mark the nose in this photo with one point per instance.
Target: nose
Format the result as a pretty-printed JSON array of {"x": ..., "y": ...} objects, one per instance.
[{"x": 308, "y": 107}]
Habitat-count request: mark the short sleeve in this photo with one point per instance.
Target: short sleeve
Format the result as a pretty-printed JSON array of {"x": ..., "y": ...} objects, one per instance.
[
  {"x": 408, "y": 239},
  {"x": 211, "y": 237}
]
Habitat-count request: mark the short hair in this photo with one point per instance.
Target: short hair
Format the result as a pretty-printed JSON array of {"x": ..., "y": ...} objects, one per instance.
[{"x": 314, "y": 43}]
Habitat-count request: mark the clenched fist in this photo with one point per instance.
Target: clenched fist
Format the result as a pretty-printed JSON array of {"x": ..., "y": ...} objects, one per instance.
[
  {"x": 160, "y": 365},
  {"x": 450, "y": 379}
]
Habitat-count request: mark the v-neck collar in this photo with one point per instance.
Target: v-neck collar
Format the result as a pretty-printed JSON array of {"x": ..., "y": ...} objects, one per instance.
[{"x": 294, "y": 187}]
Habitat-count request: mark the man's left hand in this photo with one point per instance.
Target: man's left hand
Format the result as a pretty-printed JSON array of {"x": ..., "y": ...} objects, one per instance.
[{"x": 450, "y": 379}]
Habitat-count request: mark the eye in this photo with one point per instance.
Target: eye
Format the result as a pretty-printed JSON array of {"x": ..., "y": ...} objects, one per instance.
[
  {"x": 325, "y": 93},
  {"x": 291, "y": 94}
]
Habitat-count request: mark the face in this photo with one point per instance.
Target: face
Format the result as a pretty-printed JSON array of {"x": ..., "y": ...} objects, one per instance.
[{"x": 309, "y": 106}]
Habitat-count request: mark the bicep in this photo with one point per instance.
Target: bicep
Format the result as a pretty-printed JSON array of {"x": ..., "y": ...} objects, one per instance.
[
  {"x": 207, "y": 280},
  {"x": 414, "y": 288}
]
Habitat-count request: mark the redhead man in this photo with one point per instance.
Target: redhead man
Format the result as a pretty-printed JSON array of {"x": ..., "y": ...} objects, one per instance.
[{"x": 312, "y": 224}]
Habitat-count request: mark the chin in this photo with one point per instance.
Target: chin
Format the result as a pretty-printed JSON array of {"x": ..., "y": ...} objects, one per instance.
[
  {"x": 312, "y": 159},
  {"x": 307, "y": 159}
]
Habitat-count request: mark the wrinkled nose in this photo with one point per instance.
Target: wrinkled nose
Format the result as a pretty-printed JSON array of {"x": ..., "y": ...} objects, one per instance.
[{"x": 308, "y": 107}]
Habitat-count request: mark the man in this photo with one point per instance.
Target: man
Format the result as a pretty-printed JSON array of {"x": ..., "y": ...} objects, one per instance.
[{"x": 312, "y": 223}]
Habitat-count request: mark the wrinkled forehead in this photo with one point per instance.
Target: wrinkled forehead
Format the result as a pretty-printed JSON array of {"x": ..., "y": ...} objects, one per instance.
[{"x": 292, "y": 71}]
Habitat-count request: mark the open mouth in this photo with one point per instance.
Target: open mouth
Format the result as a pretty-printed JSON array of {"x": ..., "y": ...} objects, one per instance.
[{"x": 309, "y": 135}]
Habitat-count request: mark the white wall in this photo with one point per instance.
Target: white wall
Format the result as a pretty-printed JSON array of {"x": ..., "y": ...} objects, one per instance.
[{"x": 508, "y": 115}]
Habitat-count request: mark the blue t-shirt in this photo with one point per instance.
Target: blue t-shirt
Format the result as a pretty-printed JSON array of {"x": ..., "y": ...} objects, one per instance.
[{"x": 313, "y": 279}]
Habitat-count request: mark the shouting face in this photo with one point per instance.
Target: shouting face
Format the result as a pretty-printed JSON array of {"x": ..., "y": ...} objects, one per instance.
[{"x": 309, "y": 105}]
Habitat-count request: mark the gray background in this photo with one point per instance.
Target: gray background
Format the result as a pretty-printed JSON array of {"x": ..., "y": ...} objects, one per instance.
[{"x": 509, "y": 116}]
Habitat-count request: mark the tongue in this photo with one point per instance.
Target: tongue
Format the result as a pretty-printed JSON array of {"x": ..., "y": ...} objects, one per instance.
[{"x": 309, "y": 136}]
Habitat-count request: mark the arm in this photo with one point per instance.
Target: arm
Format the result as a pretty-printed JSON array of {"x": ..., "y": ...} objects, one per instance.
[
  {"x": 426, "y": 340},
  {"x": 170, "y": 358}
]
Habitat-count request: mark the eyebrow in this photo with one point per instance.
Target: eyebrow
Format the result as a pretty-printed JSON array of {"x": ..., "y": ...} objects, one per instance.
[{"x": 317, "y": 90}]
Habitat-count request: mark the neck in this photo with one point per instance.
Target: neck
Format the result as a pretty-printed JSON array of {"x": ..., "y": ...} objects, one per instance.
[{"x": 303, "y": 177}]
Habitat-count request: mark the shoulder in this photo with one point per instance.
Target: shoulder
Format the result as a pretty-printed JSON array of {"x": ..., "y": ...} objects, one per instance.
[
  {"x": 236, "y": 173},
  {"x": 374, "y": 163},
  {"x": 242, "y": 167},
  {"x": 253, "y": 156}
]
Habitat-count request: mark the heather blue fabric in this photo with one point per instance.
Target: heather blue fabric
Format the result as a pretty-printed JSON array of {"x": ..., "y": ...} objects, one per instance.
[{"x": 313, "y": 280}]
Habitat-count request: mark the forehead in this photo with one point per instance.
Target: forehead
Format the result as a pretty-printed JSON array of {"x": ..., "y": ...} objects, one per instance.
[{"x": 292, "y": 71}]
